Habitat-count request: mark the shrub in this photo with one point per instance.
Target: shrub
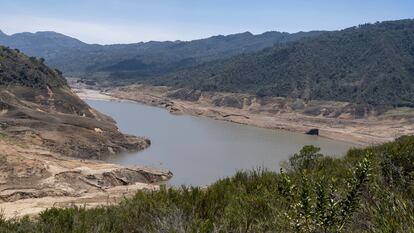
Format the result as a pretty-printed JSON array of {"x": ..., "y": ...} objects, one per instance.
[
  {"x": 305, "y": 158},
  {"x": 350, "y": 194}
]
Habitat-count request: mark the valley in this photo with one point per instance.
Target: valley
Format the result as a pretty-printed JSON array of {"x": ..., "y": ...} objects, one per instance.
[
  {"x": 335, "y": 120},
  {"x": 299, "y": 131}
]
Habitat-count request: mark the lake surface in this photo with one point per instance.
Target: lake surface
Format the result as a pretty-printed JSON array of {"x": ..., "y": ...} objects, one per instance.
[{"x": 200, "y": 150}]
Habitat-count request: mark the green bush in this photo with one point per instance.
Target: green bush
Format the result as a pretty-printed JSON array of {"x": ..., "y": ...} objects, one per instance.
[
  {"x": 368, "y": 190},
  {"x": 305, "y": 158}
]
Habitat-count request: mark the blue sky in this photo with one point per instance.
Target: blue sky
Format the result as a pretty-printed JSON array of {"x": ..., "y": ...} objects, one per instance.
[{"x": 125, "y": 21}]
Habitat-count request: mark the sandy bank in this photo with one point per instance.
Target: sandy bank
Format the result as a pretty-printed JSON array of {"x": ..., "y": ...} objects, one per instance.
[
  {"x": 91, "y": 94},
  {"x": 33, "y": 179}
]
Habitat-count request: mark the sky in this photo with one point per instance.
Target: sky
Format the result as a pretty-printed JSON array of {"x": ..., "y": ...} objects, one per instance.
[{"x": 128, "y": 21}]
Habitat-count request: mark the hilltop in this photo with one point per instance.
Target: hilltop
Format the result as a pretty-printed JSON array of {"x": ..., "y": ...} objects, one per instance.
[{"x": 371, "y": 64}]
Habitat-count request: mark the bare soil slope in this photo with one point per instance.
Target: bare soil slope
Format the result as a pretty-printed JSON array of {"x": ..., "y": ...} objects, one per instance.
[
  {"x": 47, "y": 132},
  {"x": 37, "y": 106}
]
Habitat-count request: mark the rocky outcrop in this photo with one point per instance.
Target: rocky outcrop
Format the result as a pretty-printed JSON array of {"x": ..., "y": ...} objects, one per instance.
[
  {"x": 185, "y": 94},
  {"x": 32, "y": 178},
  {"x": 228, "y": 101},
  {"x": 77, "y": 182},
  {"x": 313, "y": 132}
]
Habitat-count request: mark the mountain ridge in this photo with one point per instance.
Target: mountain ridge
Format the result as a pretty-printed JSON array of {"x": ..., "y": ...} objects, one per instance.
[
  {"x": 355, "y": 64},
  {"x": 74, "y": 56},
  {"x": 368, "y": 64}
]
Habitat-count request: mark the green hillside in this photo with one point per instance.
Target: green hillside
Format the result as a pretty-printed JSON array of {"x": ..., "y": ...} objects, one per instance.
[
  {"x": 140, "y": 60},
  {"x": 18, "y": 69},
  {"x": 368, "y": 64}
]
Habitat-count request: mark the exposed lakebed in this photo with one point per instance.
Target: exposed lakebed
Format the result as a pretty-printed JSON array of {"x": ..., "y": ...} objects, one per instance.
[{"x": 200, "y": 150}]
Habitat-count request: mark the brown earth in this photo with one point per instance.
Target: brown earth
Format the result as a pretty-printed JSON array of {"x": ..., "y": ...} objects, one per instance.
[
  {"x": 45, "y": 129},
  {"x": 32, "y": 178},
  {"x": 47, "y": 138},
  {"x": 62, "y": 122},
  {"x": 335, "y": 120}
]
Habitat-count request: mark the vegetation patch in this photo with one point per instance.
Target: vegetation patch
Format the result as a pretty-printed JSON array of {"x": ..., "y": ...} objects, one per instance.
[
  {"x": 369, "y": 65},
  {"x": 368, "y": 190}
]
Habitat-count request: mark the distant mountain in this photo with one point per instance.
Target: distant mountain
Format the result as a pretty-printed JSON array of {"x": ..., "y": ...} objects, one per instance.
[
  {"x": 368, "y": 64},
  {"x": 41, "y": 44},
  {"x": 140, "y": 60}
]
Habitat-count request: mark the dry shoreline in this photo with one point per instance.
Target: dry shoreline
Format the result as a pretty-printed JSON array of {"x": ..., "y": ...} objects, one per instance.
[
  {"x": 48, "y": 161},
  {"x": 362, "y": 132},
  {"x": 42, "y": 179},
  {"x": 33, "y": 179}
]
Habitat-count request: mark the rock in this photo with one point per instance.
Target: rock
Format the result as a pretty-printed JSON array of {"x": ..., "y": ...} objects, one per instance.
[
  {"x": 98, "y": 130},
  {"x": 228, "y": 101},
  {"x": 185, "y": 94},
  {"x": 312, "y": 111},
  {"x": 90, "y": 83},
  {"x": 298, "y": 105},
  {"x": 313, "y": 132}
]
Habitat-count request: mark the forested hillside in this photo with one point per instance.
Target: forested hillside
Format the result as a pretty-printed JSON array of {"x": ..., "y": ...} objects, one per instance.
[
  {"x": 139, "y": 60},
  {"x": 368, "y": 64}
]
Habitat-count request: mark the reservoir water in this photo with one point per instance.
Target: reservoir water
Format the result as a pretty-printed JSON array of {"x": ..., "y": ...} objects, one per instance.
[{"x": 200, "y": 150}]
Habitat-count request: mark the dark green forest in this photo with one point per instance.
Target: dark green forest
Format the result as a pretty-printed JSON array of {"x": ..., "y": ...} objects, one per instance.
[
  {"x": 368, "y": 64},
  {"x": 139, "y": 60}
]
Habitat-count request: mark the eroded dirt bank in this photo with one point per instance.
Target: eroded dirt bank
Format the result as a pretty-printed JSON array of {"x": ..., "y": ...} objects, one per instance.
[
  {"x": 32, "y": 178},
  {"x": 47, "y": 136},
  {"x": 46, "y": 140},
  {"x": 335, "y": 120}
]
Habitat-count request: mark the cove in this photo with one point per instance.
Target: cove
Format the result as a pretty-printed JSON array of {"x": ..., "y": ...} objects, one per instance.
[{"x": 199, "y": 150}]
